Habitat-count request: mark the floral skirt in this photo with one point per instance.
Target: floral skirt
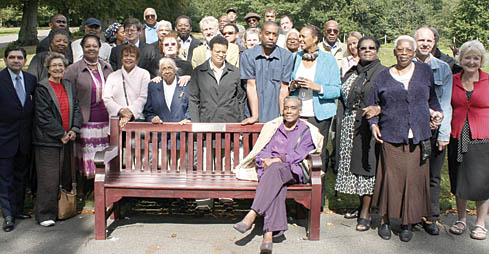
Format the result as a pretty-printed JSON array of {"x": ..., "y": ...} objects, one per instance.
[{"x": 93, "y": 138}]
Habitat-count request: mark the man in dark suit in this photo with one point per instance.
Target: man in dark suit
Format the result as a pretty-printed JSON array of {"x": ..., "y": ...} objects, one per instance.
[
  {"x": 183, "y": 26},
  {"x": 216, "y": 94},
  {"x": 16, "y": 106},
  {"x": 132, "y": 29}
]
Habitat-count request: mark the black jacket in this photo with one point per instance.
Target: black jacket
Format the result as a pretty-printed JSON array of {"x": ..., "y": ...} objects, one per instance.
[
  {"x": 193, "y": 44},
  {"x": 449, "y": 60},
  {"x": 16, "y": 120},
  {"x": 48, "y": 127},
  {"x": 212, "y": 102},
  {"x": 364, "y": 152}
]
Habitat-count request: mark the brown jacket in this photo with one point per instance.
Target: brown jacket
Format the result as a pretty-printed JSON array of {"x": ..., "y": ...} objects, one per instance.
[{"x": 81, "y": 79}]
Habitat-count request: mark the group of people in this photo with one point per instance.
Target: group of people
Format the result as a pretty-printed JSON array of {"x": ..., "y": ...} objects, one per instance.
[{"x": 391, "y": 125}]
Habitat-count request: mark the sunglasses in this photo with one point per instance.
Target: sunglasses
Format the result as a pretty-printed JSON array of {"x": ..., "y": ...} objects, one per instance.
[
  {"x": 150, "y": 16},
  {"x": 335, "y": 31},
  {"x": 228, "y": 33},
  {"x": 370, "y": 48},
  {"x": 173, "y": 44}
]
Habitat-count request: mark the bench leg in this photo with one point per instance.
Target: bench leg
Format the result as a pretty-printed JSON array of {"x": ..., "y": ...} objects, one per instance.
[
  {"x": 117, "y": 211},
  {"x": 100, "y": 221},
  {"x": 315, "y": 213}
]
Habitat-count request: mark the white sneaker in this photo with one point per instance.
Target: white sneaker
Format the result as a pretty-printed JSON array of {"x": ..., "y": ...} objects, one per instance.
[{"x": 47, "y": 223}]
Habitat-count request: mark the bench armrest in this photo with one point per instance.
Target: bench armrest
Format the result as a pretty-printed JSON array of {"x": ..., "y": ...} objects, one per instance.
[
  {"x": 103, "y": 158},
  {"x": 316, "y": 163}
]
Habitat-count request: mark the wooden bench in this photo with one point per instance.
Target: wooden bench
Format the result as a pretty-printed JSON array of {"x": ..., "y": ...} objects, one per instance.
[{"x": 137, "y": 174}]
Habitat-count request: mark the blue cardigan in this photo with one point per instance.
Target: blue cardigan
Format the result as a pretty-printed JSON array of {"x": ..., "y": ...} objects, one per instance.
[{"x": 328, "y": 76}]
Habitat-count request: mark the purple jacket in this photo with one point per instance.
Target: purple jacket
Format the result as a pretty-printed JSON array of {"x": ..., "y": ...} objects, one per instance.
[
  {"x": 403, "y": 109},
  {"x": 282, "y": 146}
]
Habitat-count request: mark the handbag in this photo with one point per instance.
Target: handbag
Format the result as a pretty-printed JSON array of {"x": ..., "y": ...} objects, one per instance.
[
  {"x": 306, "y": 176},
  {"x": 67, "y": 200}
]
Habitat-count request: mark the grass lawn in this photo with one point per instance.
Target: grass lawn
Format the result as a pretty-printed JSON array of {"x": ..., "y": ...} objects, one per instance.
[{"x": 9, "y": 30}]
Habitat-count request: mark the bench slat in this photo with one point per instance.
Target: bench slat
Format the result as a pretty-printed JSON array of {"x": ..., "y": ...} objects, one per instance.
[
  {"x": 173, "y": 146},
  {"x": 227, "y": 151},
  {"x": 183, "y": 139},
  {"x": 236, "y": 149},
  {"x": 199, "y": 151},
  {"x": 146, "y": 151},
  {"x": 154, "y": 149},
  {"x": 208, "y": 146},
  {"x": 190, "y": 149},
  {"x": 128, "y": 150},
  {"x": 218, "y": 153},
  {"x": 246, "y": 144},
  {"x": 137, "y": 150}
]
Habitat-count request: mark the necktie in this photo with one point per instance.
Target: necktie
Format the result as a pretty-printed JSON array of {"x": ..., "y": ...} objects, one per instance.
[{"x": 20, "y": 90}]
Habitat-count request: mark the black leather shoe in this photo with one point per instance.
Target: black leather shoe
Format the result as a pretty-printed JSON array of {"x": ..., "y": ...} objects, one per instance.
[
  {"x": 406, "y": 233},
  {"x": 22, "y": 216},
  {"x": 385, "y": 231},
  {"x": 430, "y": 227},
  {"x": 8, "y": 224}
]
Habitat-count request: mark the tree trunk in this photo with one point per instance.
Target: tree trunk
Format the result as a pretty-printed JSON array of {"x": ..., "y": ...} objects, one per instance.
[{"x": 28, "y": 29}]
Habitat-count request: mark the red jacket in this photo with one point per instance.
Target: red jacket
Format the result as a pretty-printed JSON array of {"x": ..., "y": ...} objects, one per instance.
[{"x": 476, "y": 109}]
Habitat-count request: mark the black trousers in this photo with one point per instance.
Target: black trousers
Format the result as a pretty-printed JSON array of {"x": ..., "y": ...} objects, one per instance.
[
  {"x": 323, "y": 127},
  {"x": 49, "y": 162},
  {"x": 12, "y": 190},
  {"x": 436, "y": 162}
]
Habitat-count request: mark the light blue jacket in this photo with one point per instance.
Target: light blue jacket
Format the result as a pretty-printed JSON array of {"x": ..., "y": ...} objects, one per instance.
[
  {"x": 328, "y": 77},
  {"x": 442, "y": 76}
]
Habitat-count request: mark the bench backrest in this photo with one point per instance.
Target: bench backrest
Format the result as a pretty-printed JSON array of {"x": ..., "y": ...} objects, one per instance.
[{"x": 193, "y": 148}]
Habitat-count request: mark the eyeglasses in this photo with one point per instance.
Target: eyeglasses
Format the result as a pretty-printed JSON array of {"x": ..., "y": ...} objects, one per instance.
[
  {"x": 173, "y": 44},
  {"x": 57, "y": 65},
  {"x": 150, "y": 16},
  {"x": 335, "y": 31},
  {"x": 129, "y": 31},
  {"x": 228, "y": 33},
  {"x": 292, "y": 39},
  {"x": 369, "y": 48}
]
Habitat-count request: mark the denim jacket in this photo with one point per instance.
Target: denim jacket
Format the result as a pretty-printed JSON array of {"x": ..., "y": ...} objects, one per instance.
[
  {"x": 329, "y": 78},
  {"x": 443, "y": 88}
]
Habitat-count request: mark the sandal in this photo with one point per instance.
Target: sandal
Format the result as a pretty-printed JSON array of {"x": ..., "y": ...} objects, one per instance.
[
  {"x": 478, "y": 230},
  {"x": 459, "y": 230},
  {"x": 363, "y": 224}
]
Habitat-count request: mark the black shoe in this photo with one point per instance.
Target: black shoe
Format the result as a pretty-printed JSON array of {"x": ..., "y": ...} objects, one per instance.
[
  {"x": 430, "y": 227},
  {"x": 406, "y": 233},
  {"x": 385, "y": 231},
  {"x": 21, "y": 216},
  {"x": 8, "y": 224}
]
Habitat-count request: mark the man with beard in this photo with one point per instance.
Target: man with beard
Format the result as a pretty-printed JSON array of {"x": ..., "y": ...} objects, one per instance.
[
  {"x": 209, "y": 28},
  {"x": 266, "y": 70}
]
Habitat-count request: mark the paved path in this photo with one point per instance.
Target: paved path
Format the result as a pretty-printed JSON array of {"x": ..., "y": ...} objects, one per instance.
[
  {"x": 189, "y": 234},
  {"x": 41, "y": 34}
]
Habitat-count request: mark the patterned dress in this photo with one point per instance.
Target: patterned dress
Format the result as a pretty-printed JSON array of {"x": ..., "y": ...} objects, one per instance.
[{"x": 346, "y": 181}]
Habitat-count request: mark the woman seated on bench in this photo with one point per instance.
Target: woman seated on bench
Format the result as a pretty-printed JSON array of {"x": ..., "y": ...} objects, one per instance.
[{"x": 288, "y": 142}]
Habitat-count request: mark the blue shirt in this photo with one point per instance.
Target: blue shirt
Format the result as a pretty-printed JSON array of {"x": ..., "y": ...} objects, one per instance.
[
  {"x": 269, "y": 73},
  {"x": 13, "y": 76},
  {"x": 328, "y": 76},
  {"x": 150, "y": 33}
]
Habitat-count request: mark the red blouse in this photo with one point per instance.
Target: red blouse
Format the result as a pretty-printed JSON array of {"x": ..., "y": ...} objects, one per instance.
[
  {"x": 64, "y": 104},
  {"x": 476, "y": 109}
]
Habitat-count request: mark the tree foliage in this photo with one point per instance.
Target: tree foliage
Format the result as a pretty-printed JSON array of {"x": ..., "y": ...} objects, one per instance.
[{"x": 471, "y": 21}]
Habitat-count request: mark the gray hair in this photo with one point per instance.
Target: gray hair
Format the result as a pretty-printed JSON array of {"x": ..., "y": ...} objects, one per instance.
[
  {"x": 293, "y": 30},
  {"x": 293, "y": 98},
  {"x": 54, "y": 55},
  {"x": 405, "y": 38},
  {"x": 474, "y": 46},
  {"x": 164, "y": 23},
  {"x": 168, "y": 60},
  {"x": 209, "y": 20}
]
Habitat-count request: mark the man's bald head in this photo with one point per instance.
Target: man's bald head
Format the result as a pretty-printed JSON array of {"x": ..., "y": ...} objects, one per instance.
[{"x": 331, "y": 31}]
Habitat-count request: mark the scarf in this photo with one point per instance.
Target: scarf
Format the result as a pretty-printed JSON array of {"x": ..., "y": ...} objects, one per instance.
[
  {"x": 98, "y": 85},
  {"x": 366, "y": 71}
]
